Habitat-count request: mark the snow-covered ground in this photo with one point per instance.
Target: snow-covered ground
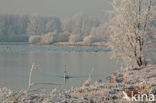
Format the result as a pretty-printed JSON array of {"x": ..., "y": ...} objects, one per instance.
[{"x": 127, "y": 80}]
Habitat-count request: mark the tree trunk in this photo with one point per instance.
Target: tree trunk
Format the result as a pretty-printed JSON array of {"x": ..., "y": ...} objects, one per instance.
[{"x": 140, "y": 61}]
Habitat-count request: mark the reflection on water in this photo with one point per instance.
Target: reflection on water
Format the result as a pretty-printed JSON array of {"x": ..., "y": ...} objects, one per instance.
[{"x": 16, "y": 61}]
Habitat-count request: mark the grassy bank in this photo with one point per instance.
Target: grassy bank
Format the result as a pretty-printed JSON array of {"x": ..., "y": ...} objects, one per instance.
[{"x": 138, "y": 80}]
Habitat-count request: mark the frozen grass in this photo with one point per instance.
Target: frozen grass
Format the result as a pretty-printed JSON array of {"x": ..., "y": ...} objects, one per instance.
[{"x": 135, "y": 79}]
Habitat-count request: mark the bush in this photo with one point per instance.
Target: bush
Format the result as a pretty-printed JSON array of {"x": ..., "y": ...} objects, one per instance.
[
  {"x": 92, "y": 39},
  {"x": 49, "y": 38},
  {"x": 75, "y": 38},
  {"x": 34, "y": 39}
]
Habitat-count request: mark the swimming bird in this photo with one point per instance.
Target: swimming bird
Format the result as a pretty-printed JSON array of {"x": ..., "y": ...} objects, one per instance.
[{"x": 66, "y": 76}]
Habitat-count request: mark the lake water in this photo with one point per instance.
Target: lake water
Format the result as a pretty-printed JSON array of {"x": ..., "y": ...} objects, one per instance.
[{"x": 16, "y": 61}]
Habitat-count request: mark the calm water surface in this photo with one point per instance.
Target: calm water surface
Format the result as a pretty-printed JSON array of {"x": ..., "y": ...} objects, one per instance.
[{"x": 16, "y": 61}]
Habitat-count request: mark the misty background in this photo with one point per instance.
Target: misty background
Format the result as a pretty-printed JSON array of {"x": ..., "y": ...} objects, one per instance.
[{"x": 55, "y": 21}]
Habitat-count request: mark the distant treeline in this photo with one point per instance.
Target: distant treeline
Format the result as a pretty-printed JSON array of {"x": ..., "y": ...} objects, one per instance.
[
  {"x": 19, "y": 28},
  {"x": 16, "y": 28},
  {"x": 48, "y": 30}
]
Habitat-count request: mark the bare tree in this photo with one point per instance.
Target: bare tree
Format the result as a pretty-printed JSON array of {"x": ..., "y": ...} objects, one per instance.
[{"x": 129, "y": 27}]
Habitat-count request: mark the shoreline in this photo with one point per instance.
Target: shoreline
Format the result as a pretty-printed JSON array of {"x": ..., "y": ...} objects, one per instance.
[
  {"x": 138, "y": 80},
  {"x": 100, "y": 44}
]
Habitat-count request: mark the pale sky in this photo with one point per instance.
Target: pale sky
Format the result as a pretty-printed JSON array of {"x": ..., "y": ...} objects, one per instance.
[{"x": 59, "y": 8}]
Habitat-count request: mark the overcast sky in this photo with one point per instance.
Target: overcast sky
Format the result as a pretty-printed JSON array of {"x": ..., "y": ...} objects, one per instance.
[{"x": 59, "y": 8}]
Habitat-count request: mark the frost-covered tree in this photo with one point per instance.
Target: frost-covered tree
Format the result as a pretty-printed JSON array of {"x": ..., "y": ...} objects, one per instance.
[
  {"x": 3, "y": 30},
  {"x": 79, "y": 26},
  {"x": 12, "y": 25},
  {"x": 82, "y": 24},
  {"x": 22, "y": 22},
  {"x": 129, "y": 27},
  {"x": 54, "y": 25},
  {"x": 98, "y": 34},
  {"x": 67, "y": 25},
  {"x": 35, "y": 26}
]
